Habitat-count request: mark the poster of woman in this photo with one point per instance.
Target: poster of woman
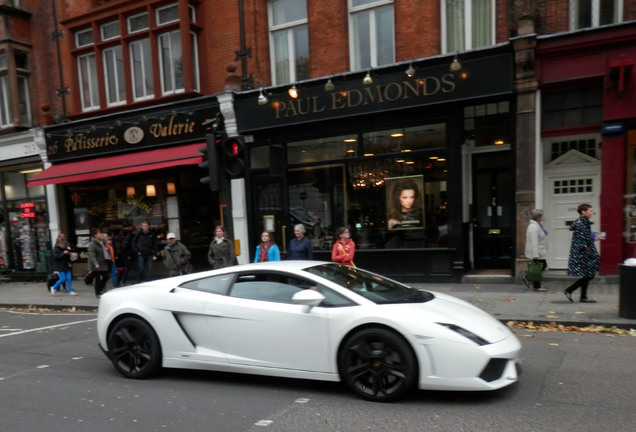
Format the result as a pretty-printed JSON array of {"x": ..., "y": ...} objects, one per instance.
[{"x": 404, "y": 202}]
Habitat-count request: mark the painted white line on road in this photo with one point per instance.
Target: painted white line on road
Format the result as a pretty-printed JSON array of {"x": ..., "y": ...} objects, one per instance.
[{"x": 47, "y": 328}]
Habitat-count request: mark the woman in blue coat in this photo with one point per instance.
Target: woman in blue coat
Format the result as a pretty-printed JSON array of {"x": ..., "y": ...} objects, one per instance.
[
  {"x": 584, "y": 259},
  {"x": 267, "y": 249}
]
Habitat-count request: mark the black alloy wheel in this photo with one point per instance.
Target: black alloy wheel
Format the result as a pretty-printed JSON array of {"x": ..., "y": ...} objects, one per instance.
[
  {"x": 134, "y": 348},
  {"x": 378, "y": 365}
]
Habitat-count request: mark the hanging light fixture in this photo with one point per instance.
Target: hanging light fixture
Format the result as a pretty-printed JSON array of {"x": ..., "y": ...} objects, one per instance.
[
  {"x": 367, "y": 79},
  {"x": 455, "y": 66},
  {"x": 130, "y": 191},
  {"x": 410, "y": 71},
  {"x": 171, "y": 188},
  {"x": 329, "y": 85},
  {"x": 262, "y": 99},
  {"x": 150, "y": 190},
  {"x": 293, "y": 92}
]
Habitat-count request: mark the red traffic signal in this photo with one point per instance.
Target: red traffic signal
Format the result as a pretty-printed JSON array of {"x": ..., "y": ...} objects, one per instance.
[{"x": 235, "y": 161}]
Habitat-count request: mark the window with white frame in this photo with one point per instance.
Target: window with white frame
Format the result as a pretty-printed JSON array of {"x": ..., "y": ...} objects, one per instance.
[
  {"x": 87, "y": 73},
  {"x": 141, "y": 69},
  {"x": 114, "y": 76},
  {"x": 371, "y": 33},
  {"x": 289, "y": 40},
  {"x": 467, "y": 24},
  {"x": 594, "y": 13},
  {"x": 14, "y": 89}
]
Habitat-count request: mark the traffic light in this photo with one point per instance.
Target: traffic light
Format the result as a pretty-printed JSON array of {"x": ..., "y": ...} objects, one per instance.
[
  {"x": 211, "y": 162},
  {"x": 236, "y": 155}
]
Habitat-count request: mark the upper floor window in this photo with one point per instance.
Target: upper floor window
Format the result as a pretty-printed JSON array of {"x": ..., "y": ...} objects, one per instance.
[
  {"x": 125, "y": 52},
  {"x": 573, "y": 108},
  {"x": 371, "y": 33},
  {"x": 467, "y": 24},
  {"x": 289, "y": 40},
  {"x": 15, "y": 103},
  {"x": 594, "y": 13}
]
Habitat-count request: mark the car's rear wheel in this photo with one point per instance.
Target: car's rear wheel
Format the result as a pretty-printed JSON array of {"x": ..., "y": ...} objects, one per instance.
[
  {"x": 378, "y": 365},
  {"x": 134, "y": 348}
]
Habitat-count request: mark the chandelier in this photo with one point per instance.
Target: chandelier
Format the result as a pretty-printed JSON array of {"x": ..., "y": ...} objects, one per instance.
[{"x": 371, "y": 177}]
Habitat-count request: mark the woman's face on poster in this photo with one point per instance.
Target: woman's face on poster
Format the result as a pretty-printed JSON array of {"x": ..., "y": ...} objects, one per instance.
[{"x": 407, "y": 198}]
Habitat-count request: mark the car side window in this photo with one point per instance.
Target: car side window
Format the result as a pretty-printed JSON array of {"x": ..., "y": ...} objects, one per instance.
[
  {"x": 265, "y": 287},
  {"x": 280, "y": 288},
  {"x": 215, "y": 284}
]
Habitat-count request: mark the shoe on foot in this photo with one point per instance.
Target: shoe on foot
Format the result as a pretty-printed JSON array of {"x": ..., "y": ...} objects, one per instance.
[
  {"x": 541, "y": 289},
  {"x": 53, "y": 291},
  {"x": 568, "y": 295},
  {"x": 588, "y": 300},
  {"x": 72, "y": 293}
]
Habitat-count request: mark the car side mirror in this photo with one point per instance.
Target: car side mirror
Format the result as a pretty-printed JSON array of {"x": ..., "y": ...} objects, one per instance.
[{"x": 308, "y": 298}]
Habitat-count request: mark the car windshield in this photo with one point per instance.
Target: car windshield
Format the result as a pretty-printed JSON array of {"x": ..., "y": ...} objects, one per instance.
[{"x": 370, "y": 285}]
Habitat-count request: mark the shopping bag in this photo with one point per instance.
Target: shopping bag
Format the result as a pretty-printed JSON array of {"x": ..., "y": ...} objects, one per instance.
[{"x": 535, "y": 271}]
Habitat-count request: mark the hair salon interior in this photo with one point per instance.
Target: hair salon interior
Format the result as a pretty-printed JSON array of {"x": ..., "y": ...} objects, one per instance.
[{"x": 496, "y": 108}]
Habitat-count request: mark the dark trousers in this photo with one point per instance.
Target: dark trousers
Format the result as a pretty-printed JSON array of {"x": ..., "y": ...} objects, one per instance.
[
  {"x": 101, "y": 277},
  {"x": 144, "y": 267},
  {"x": 580, "y": 283},
  {"x": 128, "y": 263}
]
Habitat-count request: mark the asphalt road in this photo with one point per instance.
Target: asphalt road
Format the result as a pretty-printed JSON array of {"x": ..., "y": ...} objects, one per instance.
[{"x": 55, "y": 378}]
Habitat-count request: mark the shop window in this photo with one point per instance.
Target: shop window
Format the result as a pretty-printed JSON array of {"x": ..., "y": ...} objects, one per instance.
[
  {"x": 594, "y": 13},
  {"x": 371, "y": 33},
  {"x": 467, "y": 24},
  {"x": 140, "y": 63},
  {"x": 488, "y": 124},
  {"x": 289, "y": 41},
  {"x": 364, "y": 191},
  {"x": 573, "y": 108}
]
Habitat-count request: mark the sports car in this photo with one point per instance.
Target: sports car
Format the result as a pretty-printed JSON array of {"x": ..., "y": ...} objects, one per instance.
[{"x": 307, "y": 320}]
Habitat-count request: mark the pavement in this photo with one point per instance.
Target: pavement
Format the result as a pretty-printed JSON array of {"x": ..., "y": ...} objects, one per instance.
[{"x": 506, "y": 301}]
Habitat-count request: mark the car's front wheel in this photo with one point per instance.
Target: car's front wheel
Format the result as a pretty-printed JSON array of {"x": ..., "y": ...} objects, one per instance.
[
  {"x": 378, "y": 365},
  {"x": 134, "y": 348}
]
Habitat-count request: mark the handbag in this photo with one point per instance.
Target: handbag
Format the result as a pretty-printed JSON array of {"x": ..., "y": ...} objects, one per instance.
[
  {"x": 535, "y": 271},
  {"x": 88, "y": 278}
]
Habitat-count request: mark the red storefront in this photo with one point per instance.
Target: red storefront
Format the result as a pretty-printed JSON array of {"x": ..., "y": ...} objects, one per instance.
[{"x": 599, "y": 124}]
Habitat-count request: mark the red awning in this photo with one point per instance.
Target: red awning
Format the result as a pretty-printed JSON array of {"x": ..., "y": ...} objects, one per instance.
[{"x": 112, "y": 166}]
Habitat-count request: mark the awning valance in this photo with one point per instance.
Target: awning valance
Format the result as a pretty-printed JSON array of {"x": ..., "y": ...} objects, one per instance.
[{"x": 111, "y": 166}]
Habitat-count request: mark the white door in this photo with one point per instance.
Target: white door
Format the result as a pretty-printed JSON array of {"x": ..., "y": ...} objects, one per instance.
[{"x": 568, "y": 181}]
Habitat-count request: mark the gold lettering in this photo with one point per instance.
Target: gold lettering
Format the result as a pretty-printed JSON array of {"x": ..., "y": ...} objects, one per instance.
[
  {"x": 448, "y": 81},
  {"x": 388, "y": 90}
]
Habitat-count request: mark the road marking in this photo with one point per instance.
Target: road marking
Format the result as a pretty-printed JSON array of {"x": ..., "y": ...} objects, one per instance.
[{"x": 47, "y": 328}]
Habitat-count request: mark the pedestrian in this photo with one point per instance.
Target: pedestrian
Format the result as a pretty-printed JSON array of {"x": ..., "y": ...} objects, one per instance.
[
  {"x": 584, "y": 260},
  {"x": 267, "y": 249},
  {"x": 98, "y": 257},
  {"x": 344, "y": 249},
  {"x": 300, "y": 247},
  {"x": 175, "y": 256},
  {"x": 221, "y": 252},
  {"x": 112, "y": 266},
  {"x": 536, "y": 245},
  {"x": 127, "y": 254},
  {"x": 144, "y": 245},
  {"x": 62, "y": 264}
]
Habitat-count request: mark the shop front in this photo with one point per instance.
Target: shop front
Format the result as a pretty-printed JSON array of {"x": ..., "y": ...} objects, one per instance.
[
  {"x": 114, "y": 173},
  {"x": 24, "y": 233},
  {"x": 392, "y": 157}
]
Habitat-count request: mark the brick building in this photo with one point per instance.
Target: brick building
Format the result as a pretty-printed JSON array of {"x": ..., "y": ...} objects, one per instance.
[{"x": 470, "y": 102}]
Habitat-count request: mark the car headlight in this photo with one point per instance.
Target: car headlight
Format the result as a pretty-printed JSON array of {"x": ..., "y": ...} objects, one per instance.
[{"x": 467, "y": 334}]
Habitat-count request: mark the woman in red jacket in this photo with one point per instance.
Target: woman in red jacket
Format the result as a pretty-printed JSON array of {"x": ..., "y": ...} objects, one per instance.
[{"x": 344, "y": 248}]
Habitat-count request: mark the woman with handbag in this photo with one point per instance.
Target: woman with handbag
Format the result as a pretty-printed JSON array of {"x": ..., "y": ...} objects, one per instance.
[
  {"x": 344, "y": 248},
  {"x": 536, "y": 250}
]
